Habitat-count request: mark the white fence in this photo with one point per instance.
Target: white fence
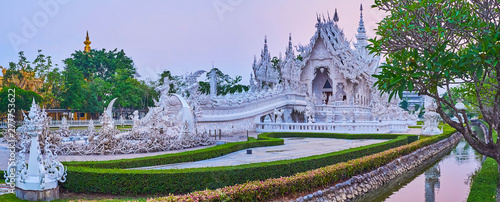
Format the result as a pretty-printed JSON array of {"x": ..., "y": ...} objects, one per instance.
[
  {"x": 83, "y": 123},
  {"x": 354, "y": 128}
]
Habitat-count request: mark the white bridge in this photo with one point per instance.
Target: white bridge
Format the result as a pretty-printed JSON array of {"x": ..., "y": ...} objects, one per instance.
[{"x": 259, "y": 115}]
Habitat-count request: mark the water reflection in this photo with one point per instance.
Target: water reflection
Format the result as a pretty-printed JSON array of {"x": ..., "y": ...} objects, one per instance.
[
  {"x": 443, "y": 181},
  {"x": 432, "y": 182}
]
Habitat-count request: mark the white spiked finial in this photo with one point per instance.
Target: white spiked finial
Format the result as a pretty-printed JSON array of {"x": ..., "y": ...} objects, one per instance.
[
  {"x": 361, "y": 36},
  {"x": 335, "y": 16}
]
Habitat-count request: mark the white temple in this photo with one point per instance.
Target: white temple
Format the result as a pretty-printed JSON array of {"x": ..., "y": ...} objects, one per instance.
[{"x": 327, "y": 87}]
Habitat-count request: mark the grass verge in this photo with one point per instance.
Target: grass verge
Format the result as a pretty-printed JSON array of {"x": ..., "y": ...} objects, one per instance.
[{"x": 484, "y": 184}]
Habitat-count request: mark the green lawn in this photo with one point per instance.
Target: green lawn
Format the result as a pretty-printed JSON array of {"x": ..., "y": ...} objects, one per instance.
[
  {"x": 485, "y": 182},
  {"x": 13, "y": 198}
]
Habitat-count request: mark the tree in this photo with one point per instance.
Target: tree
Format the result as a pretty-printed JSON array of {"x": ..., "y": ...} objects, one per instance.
[
  {"x": 127, "y": 90},
  {"x": 28, "y": 75},
  {"x": 433, "y": 44},
  {"x": 168, "y": 74},
  {"x": 53, "y": 88},
  {"x": 74, "y": 96},
  {"x": 404, "y": 105},
  {"x": 225, "y": 84},
  {"x": 101, "y": 63},
  {"x": 22, "y": 102}
]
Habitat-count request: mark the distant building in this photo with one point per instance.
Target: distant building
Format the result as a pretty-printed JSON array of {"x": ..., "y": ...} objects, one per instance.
[
  {"x": 413, "y": 98},
  {"x": 87, "y": 43}
]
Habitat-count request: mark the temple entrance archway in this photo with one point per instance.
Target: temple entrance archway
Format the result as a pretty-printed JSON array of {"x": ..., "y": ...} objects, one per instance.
[{"x": 322, "y": 85}]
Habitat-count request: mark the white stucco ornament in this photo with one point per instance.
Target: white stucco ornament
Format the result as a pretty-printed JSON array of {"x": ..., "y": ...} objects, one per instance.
[
  {"x": 43, "y": 170},
  {"x": 431, "y": 117}
]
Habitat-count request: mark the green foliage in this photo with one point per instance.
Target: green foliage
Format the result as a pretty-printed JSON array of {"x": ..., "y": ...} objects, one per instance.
[
  {"x": 127, "y": 90},
  {"x": 225, "y": 84},
  {"x": 53, "y": 88},
  {"x": 10, "y": 198},
  {"x": 426, "y": 55},
  {"x": 434, "y": 44},
  {"x": 101, "y": 63},
  {"x": 275, "y": 63},
  {"x": 22, "y": 100},
  {"x": 484, "y": 183},
  {"x": 404, "y": 105},
  {"x": 21, "y": 73},
  {"x": 306, "y": 181},
  {"x": 187, "y": 156},
  {"x": 299, "y": 57},
  {"x": 93, "y": 79},
  {"x": 118, "y": 181},
  {"x": 75, "y": 93},
  {"x": 168, "y": 74}
]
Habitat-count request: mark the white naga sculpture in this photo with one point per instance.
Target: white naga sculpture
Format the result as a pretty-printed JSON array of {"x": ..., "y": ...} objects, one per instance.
[
  {"x": 38, "y": 180},
  {"x": 165, "y": 127},
  {"x": 431, "y": 118}
]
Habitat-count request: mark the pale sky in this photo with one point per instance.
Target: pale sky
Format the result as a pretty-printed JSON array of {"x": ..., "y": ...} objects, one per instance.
[{"x": 180, "y": 36}]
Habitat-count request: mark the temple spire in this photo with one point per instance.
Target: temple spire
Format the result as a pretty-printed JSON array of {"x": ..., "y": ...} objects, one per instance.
[
  {"x": 265, "y": 44},
  {"x": 265, "y": 52},
  {"x": 290, "y": 41},
  {"x": 289, "y": 50},
  {"x": 335, "y": 16},
  {"x": 87, "y": 43},
  {"x": 361, "y": 36}
]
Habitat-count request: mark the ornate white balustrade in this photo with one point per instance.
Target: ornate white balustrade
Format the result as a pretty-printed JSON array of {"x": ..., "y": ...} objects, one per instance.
[
  {"x": 349, "y": 127},
  {"x": 259, "y": 107}
]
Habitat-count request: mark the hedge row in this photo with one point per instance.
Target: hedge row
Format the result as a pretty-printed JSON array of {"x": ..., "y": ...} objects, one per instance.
[
  {"x": 264, "y": 139},
  {"x": 132, "y": 182},
  {"x": 306, "y": 181},
  {"x": 187, "y": 156}
]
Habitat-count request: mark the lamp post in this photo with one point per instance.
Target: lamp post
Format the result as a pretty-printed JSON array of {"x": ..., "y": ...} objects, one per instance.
[{"x": 460, "y": 106}]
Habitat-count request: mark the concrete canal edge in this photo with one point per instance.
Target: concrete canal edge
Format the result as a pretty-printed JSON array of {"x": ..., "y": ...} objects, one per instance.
[{"x": 365, "y": 186}]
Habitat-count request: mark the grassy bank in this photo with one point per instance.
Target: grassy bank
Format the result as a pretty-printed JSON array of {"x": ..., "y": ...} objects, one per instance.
[{"x": 484, "y": 184}]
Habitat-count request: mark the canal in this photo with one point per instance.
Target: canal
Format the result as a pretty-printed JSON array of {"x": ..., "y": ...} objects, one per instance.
[{"x": 448, "y": 179}]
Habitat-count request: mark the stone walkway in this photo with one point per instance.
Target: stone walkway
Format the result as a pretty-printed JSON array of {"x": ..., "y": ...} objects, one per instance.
[
  {"x": 4, "y": 152},
  {"x": 5, "y": 189},
  {"x": 293, "y": 148}
]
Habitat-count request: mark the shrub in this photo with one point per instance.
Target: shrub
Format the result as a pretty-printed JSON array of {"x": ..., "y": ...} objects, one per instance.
[
  {"x": 90, "y": 178},
  {"x": 305, "y": 181},
  {"x": 187, "y": 156}
]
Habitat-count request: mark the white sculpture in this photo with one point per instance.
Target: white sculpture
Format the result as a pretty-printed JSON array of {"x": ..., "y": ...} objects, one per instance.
[
  {"x": 64, "y": 127},
  {"x": 43, "y": 170},
  {"x": 213, "y": 82},
  {"x": 431, "y": 118}
]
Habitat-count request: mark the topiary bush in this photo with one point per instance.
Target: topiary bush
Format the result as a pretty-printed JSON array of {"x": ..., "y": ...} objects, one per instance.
[{"x": 88, "y": 177}]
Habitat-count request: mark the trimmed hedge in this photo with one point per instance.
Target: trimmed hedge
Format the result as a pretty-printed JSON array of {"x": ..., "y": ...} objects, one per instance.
[
  {"x": 305, "y": 181},
  {"x": 127, "y": 182},
  {"x": 264, "y": 139},
  {"x": 187, "y": 156}
]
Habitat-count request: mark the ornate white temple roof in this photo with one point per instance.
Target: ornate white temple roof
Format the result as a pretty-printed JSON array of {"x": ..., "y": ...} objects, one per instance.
[{"x": 351, "y": 62}]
